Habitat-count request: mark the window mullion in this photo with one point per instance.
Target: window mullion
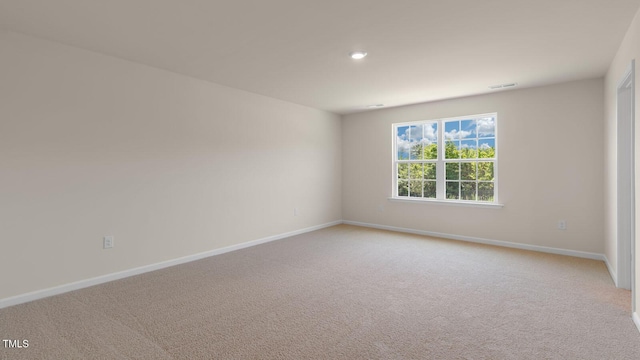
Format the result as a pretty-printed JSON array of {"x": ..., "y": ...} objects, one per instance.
[{"x": 440, "y": 175}]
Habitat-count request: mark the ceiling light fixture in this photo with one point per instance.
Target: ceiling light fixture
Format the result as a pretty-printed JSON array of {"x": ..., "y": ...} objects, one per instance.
[
  {"x": 357, "y": 55},
  {"x": 375, "y": 106}
]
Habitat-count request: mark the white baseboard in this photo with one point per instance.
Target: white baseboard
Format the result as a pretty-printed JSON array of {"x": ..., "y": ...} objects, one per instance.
[
  {"x": 612, "y": 271},
  {"x": 23, "y": 298},
  {"x": 545, "y": 249},
  {"x": 636, "y": 320},
  {"x": 35, "y": 295}
]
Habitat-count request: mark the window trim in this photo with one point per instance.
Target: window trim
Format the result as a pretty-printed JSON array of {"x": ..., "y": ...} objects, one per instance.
[
  {"x": 440, "y": 164},
  {"x": 464, "y": 203}
]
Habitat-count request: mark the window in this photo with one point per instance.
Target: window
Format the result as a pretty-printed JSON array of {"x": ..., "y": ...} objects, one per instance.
[{"x": 447, "y": 159}]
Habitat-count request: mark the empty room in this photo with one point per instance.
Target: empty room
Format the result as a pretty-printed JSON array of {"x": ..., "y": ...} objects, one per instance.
[{"x": 306, "y": 179}]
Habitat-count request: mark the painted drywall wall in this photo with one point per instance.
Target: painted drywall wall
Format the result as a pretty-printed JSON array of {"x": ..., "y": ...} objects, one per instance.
[
  {"x": 91, "y": 145},
  {"x": 550, "y": 168},
  {"x": 629, "y": 50}
]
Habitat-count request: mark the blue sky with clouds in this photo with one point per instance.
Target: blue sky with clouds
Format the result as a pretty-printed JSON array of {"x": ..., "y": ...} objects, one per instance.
[{"x": 471, "y": 133}]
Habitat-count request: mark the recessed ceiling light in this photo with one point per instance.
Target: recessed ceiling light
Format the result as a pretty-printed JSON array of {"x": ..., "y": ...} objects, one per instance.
[
  {"x": 375, "y": 106},
  {"x": 357, "y": 55}
]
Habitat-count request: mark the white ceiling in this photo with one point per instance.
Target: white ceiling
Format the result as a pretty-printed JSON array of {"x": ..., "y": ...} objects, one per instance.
[{"x": 297, "y": 50}]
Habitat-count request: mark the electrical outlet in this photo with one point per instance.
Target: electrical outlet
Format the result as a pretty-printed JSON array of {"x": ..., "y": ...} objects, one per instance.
[
  {"x": 562, "y": 225},
  {"x": 107, "y": 242},
  {"x": 380, "y": 208},
  {"x": 295, "y": 212}
]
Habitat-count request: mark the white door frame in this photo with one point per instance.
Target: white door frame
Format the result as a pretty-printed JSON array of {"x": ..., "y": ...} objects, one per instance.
[{"x": 626, "y": 179}]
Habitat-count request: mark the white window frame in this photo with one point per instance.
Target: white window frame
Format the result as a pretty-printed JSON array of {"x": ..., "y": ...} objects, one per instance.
[{"x": 440, "y": 164}]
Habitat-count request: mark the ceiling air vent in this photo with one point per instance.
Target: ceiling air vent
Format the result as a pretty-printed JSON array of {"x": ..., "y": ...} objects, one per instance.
[{"x": 502, "y": 86}]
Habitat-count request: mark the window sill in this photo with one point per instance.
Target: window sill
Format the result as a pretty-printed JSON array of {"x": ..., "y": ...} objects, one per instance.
[{"x": 448, "y": 202}]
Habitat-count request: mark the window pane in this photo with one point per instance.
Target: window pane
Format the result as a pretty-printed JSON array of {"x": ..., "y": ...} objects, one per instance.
[
  {"x": 403, "y": 188},
  {"x": 469, "y": 149},
  {"x": 430, "y": 141},
  {"x": 487, "y": 148},
  {"x": 416, "y": 151},
  {"x": 453, "y": 191},
  {"x": 403, "y": 171},
  {"x": 431, "y": 151},
  {"x": 415, "y": 171},
  {"x": 485, "y": 191},
  {"x": 453, "y": 171},
  {"x": 452, "y": 130},
  {"x": 402, "y": 143},
  {"x": 415, "y": 142},
  {"x": 485, "y": 171},
  {"x": 430, "y": 171},
  {"x": 468, "y": 191},
  {"x": 430, "y": 189},
  {"x": 415, "y": 188},
  {"x": 486, "y": 127},
  {"x": 468, "y": 171},
  {"x": 451, "y": 150},
  {"x": 467, "y": 129}
]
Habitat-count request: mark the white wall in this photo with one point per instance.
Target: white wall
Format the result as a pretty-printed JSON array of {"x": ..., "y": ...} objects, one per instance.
[
  {"x": 92, "y": 145},
  {"x": 550, "y": 168},
  {"x": 629, "y": 50}
]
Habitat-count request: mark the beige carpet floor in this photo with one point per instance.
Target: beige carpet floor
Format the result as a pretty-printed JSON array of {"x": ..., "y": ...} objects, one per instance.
[{"x": 341, "y": 293}]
